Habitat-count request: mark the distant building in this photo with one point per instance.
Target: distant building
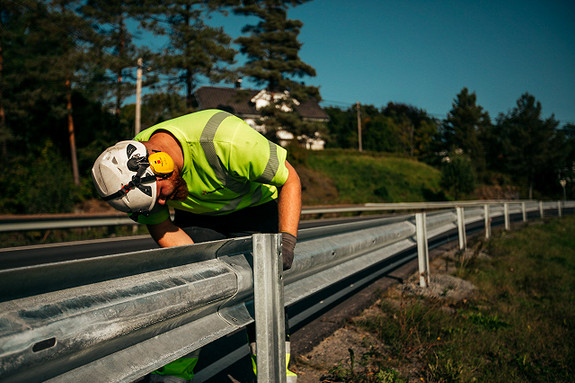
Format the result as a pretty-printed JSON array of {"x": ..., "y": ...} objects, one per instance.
[{"x": 246, "y": 103}]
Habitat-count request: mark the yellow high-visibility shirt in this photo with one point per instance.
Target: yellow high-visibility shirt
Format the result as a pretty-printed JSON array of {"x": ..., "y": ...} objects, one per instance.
[{"x": 228, "y": 165}]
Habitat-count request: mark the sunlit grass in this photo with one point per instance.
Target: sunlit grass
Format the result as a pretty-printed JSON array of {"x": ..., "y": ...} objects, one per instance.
[
  {"x": 518, "y": 327},
  {"x": 371, "y": 178}
]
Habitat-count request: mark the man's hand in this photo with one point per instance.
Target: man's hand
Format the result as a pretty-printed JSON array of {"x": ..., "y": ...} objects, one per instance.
[{"x": 288, "y": 247}]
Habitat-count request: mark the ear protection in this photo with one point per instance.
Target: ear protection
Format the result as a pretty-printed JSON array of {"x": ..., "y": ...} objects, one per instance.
[{"x": 161, "y": 164}]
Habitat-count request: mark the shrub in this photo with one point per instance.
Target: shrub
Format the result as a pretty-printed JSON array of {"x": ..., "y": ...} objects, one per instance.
[
  {"x": 457, "y": 175},
  {"x": 34, "y": 183}
]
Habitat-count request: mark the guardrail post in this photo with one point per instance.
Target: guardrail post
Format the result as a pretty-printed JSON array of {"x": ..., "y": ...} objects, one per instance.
[
  {"x": 506, "y": 214},
  {"x": 524, "y": 211},
  {"x": 487, "y": 221},
  {"x": 559, "y": 208},
  {"x": 422, "y": 249},
  {"x": 269, "y": 308},
  {"x": 461, "y": 227},
  {"x": 541, "y": 208}
]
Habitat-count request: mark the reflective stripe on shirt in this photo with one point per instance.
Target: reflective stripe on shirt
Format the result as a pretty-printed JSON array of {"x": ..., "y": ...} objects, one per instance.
[{"x": 207, "y": 143}]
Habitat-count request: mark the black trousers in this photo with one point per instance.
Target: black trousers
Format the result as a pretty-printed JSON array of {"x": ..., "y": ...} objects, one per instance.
[
  {"x": 202, "y": 228},
  {"x": 258, "y": 219}
]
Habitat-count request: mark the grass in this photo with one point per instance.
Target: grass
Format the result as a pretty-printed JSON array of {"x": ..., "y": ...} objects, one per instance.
[
  {"x": 519, "y": 326},
  {"x": 368, "y": 177}
]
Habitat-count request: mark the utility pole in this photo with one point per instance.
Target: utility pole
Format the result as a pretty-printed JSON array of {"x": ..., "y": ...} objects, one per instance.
[
  {"x": 563, "y": 183},
  {"x": 359, "y": 127},
  {"x": 138, "y": 96}
]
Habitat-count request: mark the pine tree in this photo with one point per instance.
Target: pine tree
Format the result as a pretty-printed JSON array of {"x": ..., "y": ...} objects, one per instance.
[
  {"x": 43, "y": 46},
  {"x": 567, "y": 171},
  {"x": 118, "y": 53},
  {"x": 464, "y": 125},
  {"x": 11, "y": 15},
  {"x": 75, "y": 38},
  {"x": 527, "y": 141},
  {"x": 272, "y": 50},
  {"x": 43, "y": 43},
  {"x": 23, "y": 56},
  {"x": 195, "y": 50}
]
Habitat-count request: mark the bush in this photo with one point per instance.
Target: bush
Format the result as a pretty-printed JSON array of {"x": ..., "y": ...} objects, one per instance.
[
  {"x": 36, "y": 183},
  {"x": 457, "y": 175}
]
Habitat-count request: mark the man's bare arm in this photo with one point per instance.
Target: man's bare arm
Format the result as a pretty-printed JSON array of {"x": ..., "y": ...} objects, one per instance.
[
  {"x": 166, "y": 234},
  {"x": 289, "y": 207}
]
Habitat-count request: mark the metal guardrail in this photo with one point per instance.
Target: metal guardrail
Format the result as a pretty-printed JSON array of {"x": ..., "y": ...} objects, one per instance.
[
  {"x": 64, "y": 221},
  {"x": 118, "y": 317},
  {"x": 67, "y": 221}
]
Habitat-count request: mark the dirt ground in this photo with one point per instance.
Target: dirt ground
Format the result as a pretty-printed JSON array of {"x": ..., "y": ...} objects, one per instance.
[{"x": 315, "y": 358}]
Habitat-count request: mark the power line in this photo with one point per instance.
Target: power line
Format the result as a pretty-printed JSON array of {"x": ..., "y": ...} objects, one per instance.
[
  {"x": 338, "y": 102},
  {"x": 351, "y": 104},
  {"x": 435, "y": 115}
]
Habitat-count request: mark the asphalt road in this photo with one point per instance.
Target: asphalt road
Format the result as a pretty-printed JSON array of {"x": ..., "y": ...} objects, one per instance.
[{"x": 13, "y": 257}]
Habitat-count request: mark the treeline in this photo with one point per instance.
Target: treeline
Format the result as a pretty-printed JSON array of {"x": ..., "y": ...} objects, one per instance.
[
  {"x": 68, "y": 76},
  {"x": 520, "y": 151},
  {"x": 68, "y": 67}
]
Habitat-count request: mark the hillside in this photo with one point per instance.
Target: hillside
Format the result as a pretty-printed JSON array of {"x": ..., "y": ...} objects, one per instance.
[{"x": 343, "y": 176}]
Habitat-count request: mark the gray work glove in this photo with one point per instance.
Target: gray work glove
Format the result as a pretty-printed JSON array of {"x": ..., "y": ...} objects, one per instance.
[{"x": 288, "y": 247}]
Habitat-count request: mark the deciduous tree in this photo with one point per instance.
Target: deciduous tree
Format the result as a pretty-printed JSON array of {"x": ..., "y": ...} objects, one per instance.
[
  {"x": 416, "y": 130},
  {"x": 457, "y": 174}
]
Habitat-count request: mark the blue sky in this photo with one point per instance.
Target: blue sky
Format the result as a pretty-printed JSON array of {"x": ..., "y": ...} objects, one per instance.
[{"x": 424, "y": 52}]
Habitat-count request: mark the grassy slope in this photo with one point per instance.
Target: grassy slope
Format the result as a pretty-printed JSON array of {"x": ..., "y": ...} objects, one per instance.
[
  {"x": 351, "y": 177},
  {"x": 518, "y": 327}
]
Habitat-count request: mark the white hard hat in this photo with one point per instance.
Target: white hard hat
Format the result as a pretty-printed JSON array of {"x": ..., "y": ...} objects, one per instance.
[{"x": 123, "y": 178}]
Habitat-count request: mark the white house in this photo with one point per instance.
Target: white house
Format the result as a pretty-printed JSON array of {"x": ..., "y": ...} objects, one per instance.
[{"x": 247, "y": 103}]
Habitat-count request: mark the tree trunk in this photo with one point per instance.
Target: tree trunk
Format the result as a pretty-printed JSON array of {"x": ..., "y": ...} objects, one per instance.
[
  {"x": 71, "y": 135},
  {"x": 4, "y": 135},
  {"x": 121, "y": 50},
  {"x": 189, "y": 87},
  {"x": 187, "y": 50}
]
